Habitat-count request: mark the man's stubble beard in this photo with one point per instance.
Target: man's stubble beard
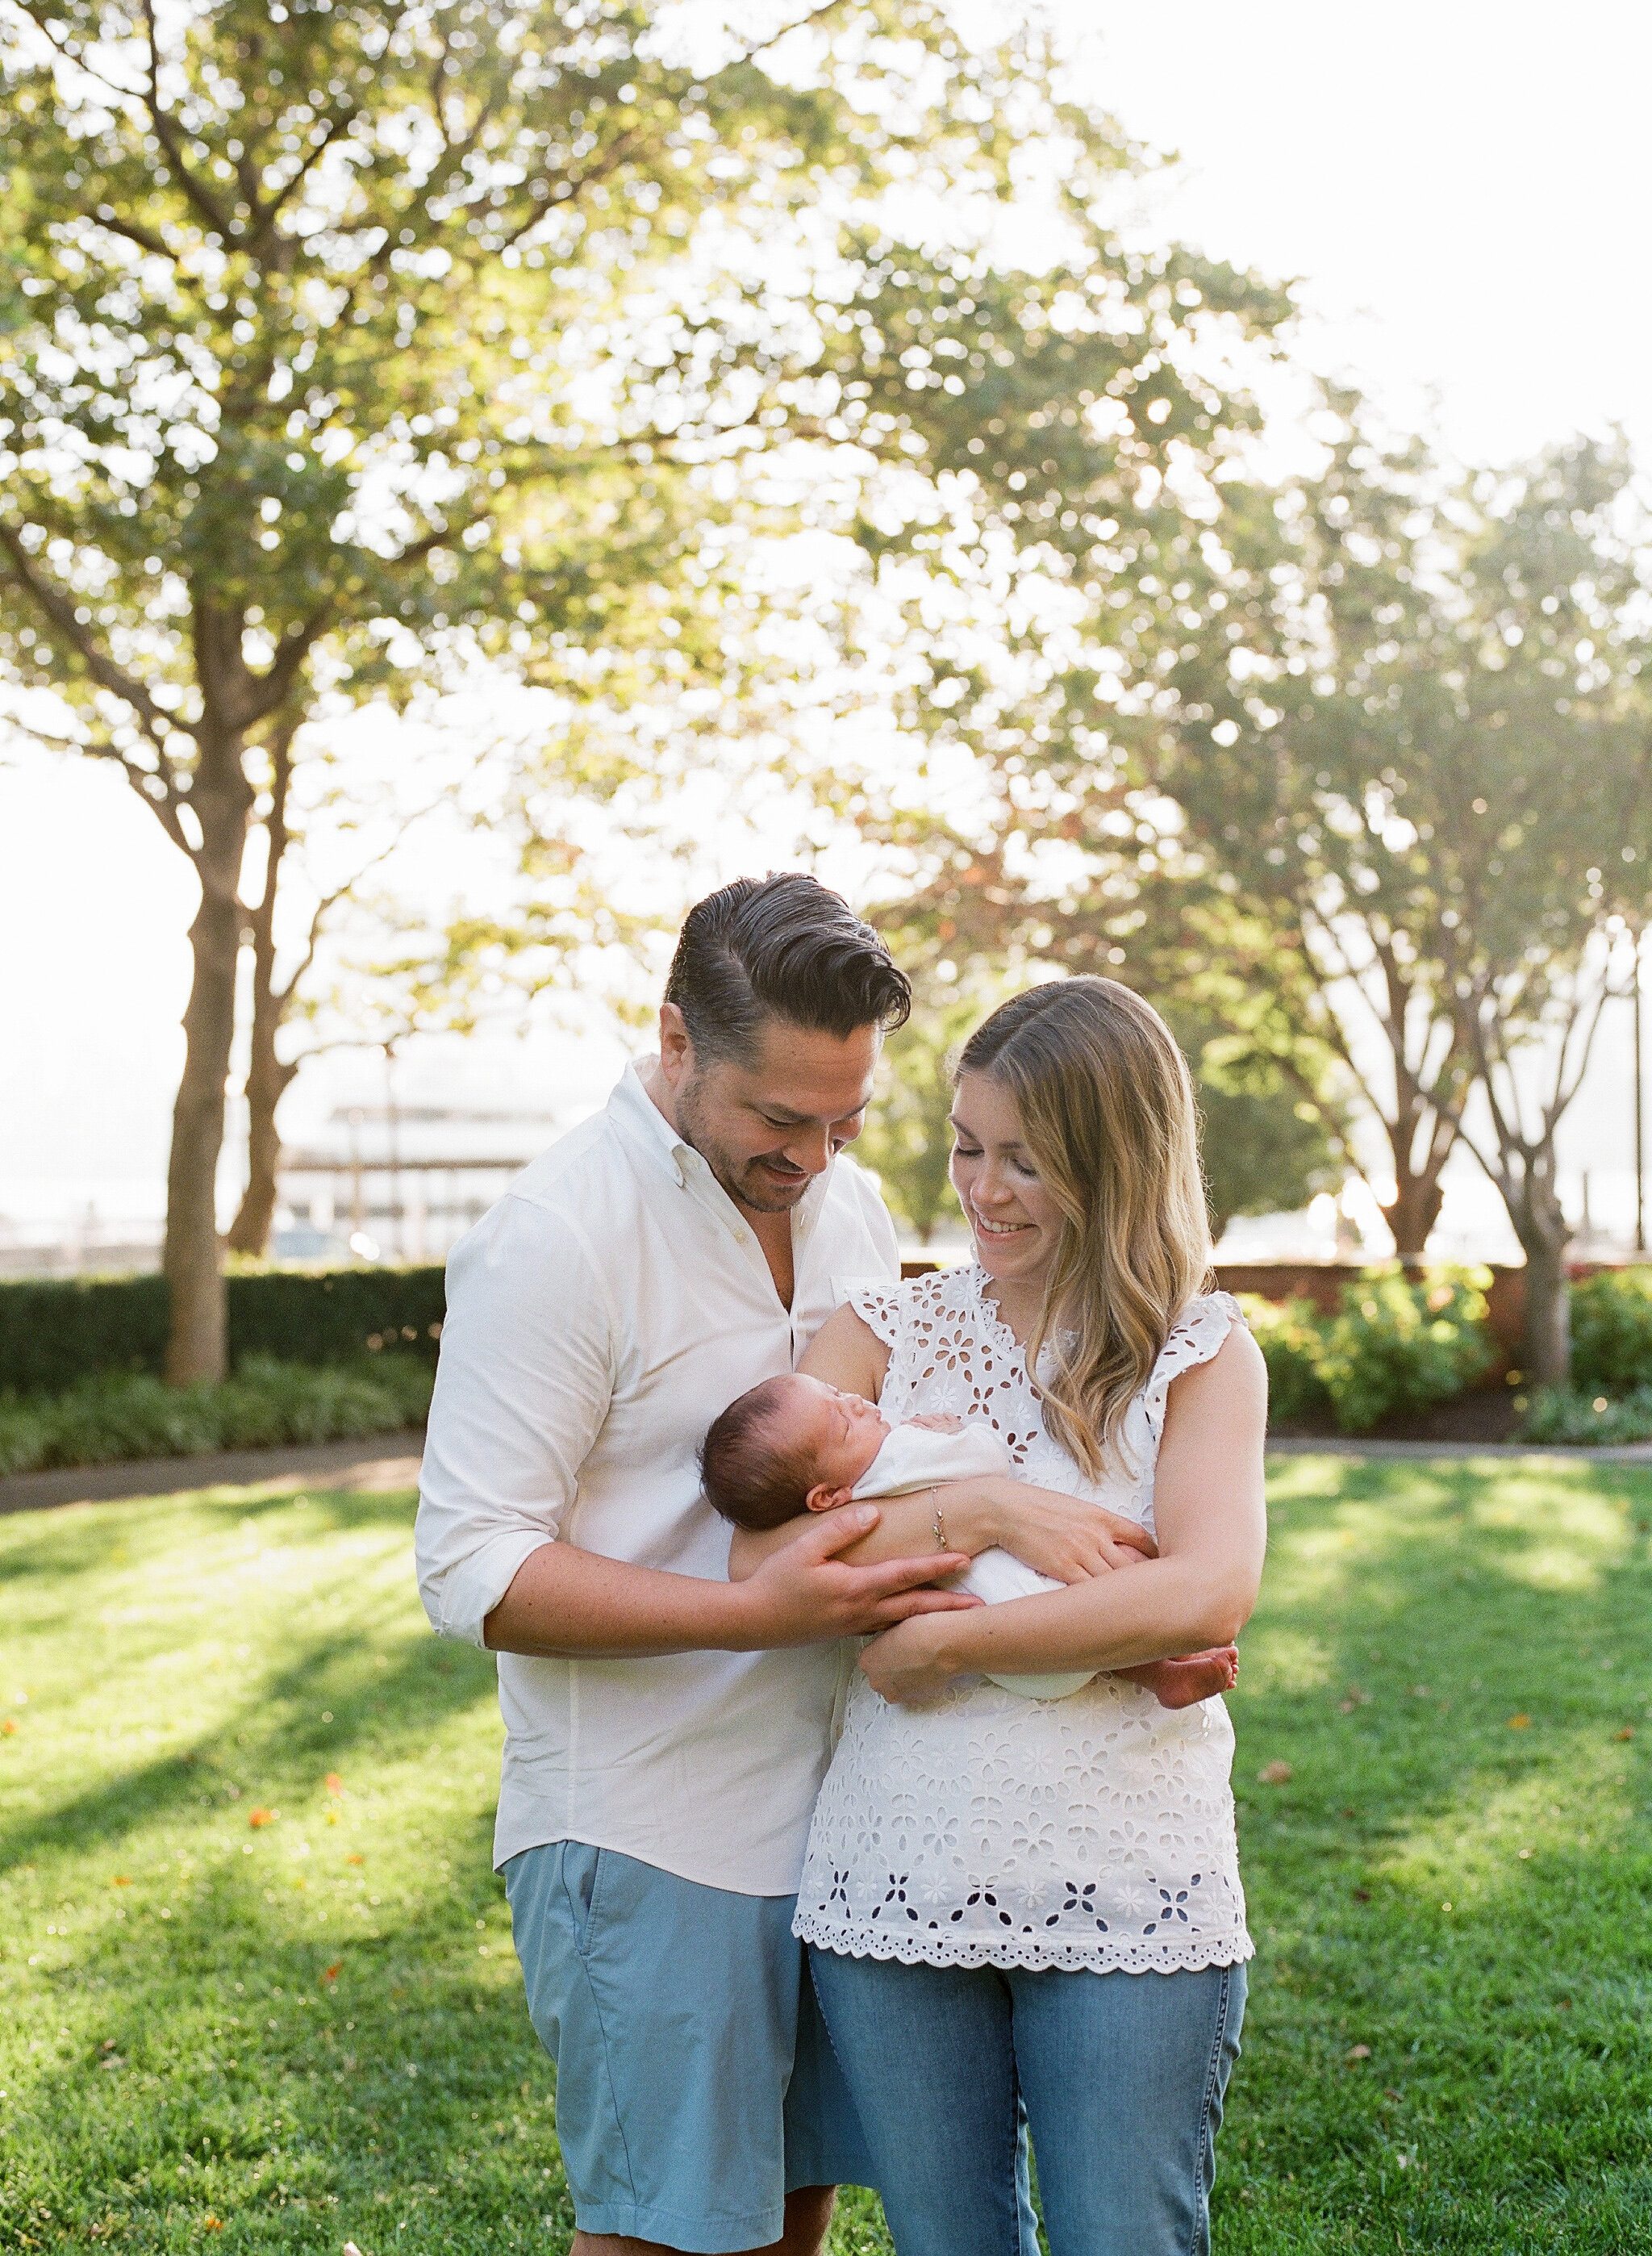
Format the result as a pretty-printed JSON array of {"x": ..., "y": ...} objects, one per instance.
[{"x": 739, "y": 1179}]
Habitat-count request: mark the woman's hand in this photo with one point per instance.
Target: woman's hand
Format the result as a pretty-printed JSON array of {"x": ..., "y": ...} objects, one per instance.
[
  {"x": 912, "y": 1663},
  {"x": 1062, "y": 1536}
]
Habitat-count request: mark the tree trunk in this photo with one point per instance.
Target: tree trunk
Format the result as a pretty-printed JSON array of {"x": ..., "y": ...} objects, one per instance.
[
  {"x": 192, "y": 1259},
  {"x": 1546, "y": 1327},
  {"x": 1413, "y": 1213},
  {"x": 1528, "y": 1186},
  {"x": 268, "y": 1080}
]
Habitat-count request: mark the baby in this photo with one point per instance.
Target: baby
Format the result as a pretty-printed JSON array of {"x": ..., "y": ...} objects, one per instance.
[{"x": 795, "y": 1445}]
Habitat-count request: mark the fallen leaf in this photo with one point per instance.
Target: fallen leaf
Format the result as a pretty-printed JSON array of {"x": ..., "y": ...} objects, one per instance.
[
  {"x": 1358, "y": 2051},
  {"x": 334, "y": 1783},
  {"x": 1362, "y": 1895},
  {"x": 120, "y": 1880},
  {"x": 258, "y": 1818},
  {"x": 8, "y": 1726},
  {"x": 352, "y": 1858},
  {"x": 1275, "y": 1773},
  {"x": 1628, "y": 1732},
  {"x": 330, "y": 1974},
  {"x": 1520, "y": 1722}
]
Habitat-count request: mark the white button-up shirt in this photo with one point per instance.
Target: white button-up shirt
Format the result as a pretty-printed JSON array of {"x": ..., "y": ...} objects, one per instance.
[{"x": 598, "y": 1319}]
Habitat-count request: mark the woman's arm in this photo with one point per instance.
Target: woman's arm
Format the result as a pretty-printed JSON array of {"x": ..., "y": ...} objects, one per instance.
[
  {"x": 1059, "y": 1535},
  {"x": 1199, "y": 1590}
]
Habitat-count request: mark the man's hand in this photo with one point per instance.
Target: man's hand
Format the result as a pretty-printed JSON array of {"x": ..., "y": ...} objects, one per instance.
[{"x": 805, "y": 1593}]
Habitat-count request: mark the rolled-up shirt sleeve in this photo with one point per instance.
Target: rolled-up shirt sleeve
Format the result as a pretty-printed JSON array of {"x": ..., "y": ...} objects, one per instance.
[{"x": 523, "y": 1384}]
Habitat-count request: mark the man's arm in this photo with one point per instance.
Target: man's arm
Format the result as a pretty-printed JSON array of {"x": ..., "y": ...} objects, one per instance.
[
  {"x": 524, "y": 1384},
  {"x": 566, "y": 1601}
]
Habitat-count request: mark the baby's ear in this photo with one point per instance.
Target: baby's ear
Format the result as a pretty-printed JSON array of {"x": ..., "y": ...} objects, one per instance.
[{"x": 822, "y": 1498}]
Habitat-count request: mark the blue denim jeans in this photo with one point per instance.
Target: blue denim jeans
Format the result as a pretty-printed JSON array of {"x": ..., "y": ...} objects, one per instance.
[{"x": 1119, "y": 2077}]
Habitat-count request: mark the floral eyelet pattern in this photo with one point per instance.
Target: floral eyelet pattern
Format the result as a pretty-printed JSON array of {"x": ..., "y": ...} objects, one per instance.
[{"x": 990, "y": 1829}]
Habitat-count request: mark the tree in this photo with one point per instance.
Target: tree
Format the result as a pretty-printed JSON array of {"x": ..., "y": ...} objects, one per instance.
[
  {"x": 908, "y": 1138},
  {"x": 1433, "y": 759},
  {"x": 1547, "y": 837},
  {"x": 1266, "y": 1147},
  {"x": 306, "y": 379}
]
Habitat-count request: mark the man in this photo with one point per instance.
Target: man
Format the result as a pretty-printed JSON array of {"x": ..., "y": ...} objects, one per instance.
[{"x": 666, "y": 1731}]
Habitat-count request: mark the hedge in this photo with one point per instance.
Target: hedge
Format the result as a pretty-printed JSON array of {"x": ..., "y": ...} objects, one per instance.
[
  {"x": 1396, "y": 1345},
  {"x": 55, "y": 1333},
  {"x": 115, "y": 1416}
]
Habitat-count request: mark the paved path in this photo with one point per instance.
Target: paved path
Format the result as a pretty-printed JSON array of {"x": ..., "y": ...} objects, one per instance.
[
  {"x": 1344, "y": 1445},
  {"x": 385, "y": 1461},
  {"x": 391, "y": 1460}
]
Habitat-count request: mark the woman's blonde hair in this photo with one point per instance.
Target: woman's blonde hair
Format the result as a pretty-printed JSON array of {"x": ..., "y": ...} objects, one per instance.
[{"x": 1107, "y": 1117}]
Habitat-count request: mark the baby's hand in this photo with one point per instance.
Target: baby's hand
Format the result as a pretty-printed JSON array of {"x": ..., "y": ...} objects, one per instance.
[{"x": 938, "y": 1422}]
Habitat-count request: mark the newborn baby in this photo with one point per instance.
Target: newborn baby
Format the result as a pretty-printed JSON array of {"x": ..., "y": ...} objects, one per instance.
[{"x": 794, "y": 1445}]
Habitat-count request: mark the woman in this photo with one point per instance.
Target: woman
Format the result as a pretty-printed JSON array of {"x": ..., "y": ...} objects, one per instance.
[{"x": 1023, "y": 1909}]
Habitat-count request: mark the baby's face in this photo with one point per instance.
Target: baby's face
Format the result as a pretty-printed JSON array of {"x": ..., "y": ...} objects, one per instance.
[{"x": 839, "y": 1434}]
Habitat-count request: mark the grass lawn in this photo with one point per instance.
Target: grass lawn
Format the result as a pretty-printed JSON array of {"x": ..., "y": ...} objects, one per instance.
[{"x": 257, "y": 1988}]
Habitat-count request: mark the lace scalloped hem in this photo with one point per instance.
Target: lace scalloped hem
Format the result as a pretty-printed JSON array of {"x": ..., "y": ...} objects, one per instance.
[{"x": 1188, "y": 1954}]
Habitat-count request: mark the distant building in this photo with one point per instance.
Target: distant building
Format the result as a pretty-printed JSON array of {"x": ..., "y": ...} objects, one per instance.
[{"x": 391, "y": 1182}]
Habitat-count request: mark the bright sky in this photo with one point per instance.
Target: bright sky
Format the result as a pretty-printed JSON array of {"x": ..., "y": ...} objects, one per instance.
[{"x": 1464, "y": 191}]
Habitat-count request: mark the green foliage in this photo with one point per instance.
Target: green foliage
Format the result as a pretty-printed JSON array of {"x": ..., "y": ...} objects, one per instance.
[
  {"x": 249, "y": 2056},
  {"x": 52, "y": 1333},
  {"x": 1397, "y": 1346},
  {"x": 55, "y": 1331},
  {"x": 1577, "y": 1415},
  {"x": 908, "y": 1137},
  {"x": 1612, "y": 1331},
  {"x": 1292, "y": 1343},
  {"x": 1265, "y": 1141},
  {"x": 336, "y": 1315},
  {"x": 111, "y": 1418}
]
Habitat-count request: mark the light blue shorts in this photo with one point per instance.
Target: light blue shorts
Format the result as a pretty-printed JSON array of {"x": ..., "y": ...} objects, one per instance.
[{"x": 696, "y": 2086}]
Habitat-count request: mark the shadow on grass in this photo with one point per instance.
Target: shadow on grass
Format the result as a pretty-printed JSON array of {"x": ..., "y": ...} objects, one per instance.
[
  {"x": 299, "y": 2089},
  {"x": 275, "y": 1734},
  {"x": 1445, "y": 2048}
]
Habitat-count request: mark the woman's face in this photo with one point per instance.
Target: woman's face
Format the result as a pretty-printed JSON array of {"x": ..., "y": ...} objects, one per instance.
[{"x": 1015, "y": 1222}]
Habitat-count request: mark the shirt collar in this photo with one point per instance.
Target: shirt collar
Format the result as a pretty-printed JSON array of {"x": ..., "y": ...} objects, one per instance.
[{"x": 632, "y": 1107}]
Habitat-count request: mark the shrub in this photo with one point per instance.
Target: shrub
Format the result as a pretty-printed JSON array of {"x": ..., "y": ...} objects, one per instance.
[
  {"x": 1396, "y": 1345},
  {"x": 112, "y": 1416},
  {"x": 1289, "y": 1335},
  {"x": 1611, "y": 1332},
  {"x": 1576, "y": 1416},
  {"x": 54, "y": 1333}
]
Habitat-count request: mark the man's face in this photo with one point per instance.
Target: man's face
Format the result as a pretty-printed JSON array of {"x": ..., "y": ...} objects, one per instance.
[{"x": 767, "y": 1129}]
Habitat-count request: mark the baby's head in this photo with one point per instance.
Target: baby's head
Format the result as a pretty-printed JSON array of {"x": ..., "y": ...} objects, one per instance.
[{"x": 791, "y": 1445}]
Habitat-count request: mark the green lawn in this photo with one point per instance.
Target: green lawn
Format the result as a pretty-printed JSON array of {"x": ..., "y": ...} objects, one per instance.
[{"x": 242, "y": 2008}]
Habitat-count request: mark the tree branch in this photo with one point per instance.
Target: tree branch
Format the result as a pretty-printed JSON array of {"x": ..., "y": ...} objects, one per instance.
[
  {"x": 166, "y": 133},
  {"x": 103, "y": 669}
]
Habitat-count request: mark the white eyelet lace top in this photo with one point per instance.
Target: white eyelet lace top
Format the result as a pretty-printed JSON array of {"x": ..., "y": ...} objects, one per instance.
[{"x": 992, "y": 1831}]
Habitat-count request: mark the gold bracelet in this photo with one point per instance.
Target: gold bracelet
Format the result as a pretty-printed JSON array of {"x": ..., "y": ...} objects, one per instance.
[{"x": 940, "y": 1528}]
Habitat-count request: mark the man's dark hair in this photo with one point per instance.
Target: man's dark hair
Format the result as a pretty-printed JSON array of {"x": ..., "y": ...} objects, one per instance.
[
  {"x": 755, "y": 1483},
  {"x": 780, "y": 947}
]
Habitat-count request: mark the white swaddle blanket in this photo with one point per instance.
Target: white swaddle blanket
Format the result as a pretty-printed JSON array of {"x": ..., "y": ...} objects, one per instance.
[{"x": 917, "y": 1457}]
